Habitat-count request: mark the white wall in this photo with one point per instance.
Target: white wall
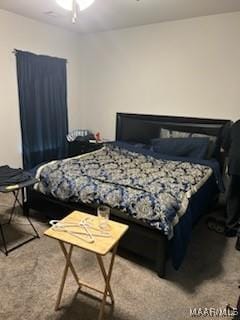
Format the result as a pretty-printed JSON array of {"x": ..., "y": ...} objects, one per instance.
[
  {"x": 188, "y": 67},
  {"x": 25, "y": 34}
]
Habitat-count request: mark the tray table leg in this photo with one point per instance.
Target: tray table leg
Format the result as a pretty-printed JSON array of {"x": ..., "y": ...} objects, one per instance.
[{"x": 107, "y": 278}]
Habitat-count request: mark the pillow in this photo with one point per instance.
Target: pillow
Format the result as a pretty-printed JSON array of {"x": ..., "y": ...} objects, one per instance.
[
  {"x": 181, "y": 147},
  {"x": 166, "y": 133},
  {"x": 141, "y": 145},
  {"x": 201, "y": 135},
  {"x": 136, "y": 144},
  {"x": 212, "y": 146}
]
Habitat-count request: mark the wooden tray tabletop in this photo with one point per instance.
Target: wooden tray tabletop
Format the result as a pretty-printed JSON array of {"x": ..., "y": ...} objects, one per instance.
[{"x": 101, "y": 245}]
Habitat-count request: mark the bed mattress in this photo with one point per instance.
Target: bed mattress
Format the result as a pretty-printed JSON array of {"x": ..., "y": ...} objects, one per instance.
[{"x": 155, "y": 191}]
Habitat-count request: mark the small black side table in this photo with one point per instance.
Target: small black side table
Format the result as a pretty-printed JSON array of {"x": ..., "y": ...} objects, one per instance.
[
  {"x": 16, "y": 190},
  {"x": 76, "y": 147}
]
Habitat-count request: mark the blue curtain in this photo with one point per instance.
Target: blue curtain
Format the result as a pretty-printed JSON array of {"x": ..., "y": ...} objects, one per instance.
[{"x": 43, "y": 107}]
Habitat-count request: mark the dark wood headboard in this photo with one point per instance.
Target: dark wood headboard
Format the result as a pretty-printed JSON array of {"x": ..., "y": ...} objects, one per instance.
[{"x": 143, "y": 127}]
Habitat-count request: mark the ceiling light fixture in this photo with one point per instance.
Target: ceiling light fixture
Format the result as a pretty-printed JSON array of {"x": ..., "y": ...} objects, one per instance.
[{"x": 75, "y": 6}]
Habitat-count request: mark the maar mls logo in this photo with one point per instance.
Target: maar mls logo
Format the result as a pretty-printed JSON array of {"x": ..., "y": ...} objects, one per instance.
[{"x": 213, "y": 312}]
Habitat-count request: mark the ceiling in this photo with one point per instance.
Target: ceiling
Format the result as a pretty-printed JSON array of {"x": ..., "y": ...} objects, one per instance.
[{"x": 116, "y": 14}]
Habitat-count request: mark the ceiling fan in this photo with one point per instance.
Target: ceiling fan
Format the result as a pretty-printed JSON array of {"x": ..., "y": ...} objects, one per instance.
[{"x": 75, "y": 6}]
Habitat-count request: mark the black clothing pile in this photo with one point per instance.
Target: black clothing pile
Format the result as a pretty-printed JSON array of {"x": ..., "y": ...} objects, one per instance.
[
  {"x": 10, "y": 176},
  {"x": 230, "y": 226},
  {"x": 233, "y": 197},
  {"x": 234, "y": 152}
]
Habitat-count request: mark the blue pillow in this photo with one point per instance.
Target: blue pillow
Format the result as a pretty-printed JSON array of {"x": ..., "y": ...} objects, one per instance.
[
  {"x": 134, "y": 144},
  {"x": 195, "y": 148}
]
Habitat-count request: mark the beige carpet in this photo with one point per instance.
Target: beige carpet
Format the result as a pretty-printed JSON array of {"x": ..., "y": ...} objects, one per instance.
[{"x": 30, "y": 279}]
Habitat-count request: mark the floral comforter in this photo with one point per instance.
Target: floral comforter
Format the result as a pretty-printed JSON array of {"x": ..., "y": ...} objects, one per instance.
[{"x": 155, "y": 191}]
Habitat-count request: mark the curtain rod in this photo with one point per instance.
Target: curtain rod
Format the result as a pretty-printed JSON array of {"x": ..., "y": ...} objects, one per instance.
[{"x": 15, "y": 51}]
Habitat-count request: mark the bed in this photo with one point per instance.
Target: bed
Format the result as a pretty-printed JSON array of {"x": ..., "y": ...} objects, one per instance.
[{"x": 159, "y": 195}]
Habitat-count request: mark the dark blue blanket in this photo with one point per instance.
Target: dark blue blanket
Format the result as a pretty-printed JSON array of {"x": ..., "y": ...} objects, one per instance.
[{"x": 212, "y": 163}]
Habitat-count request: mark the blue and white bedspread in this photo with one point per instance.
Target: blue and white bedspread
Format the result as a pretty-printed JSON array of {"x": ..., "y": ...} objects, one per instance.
[{"x": 152, "y": 190}]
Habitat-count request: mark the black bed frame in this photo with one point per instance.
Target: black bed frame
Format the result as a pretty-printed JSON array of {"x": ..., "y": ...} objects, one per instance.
[{"x": 141, "y": 239}]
